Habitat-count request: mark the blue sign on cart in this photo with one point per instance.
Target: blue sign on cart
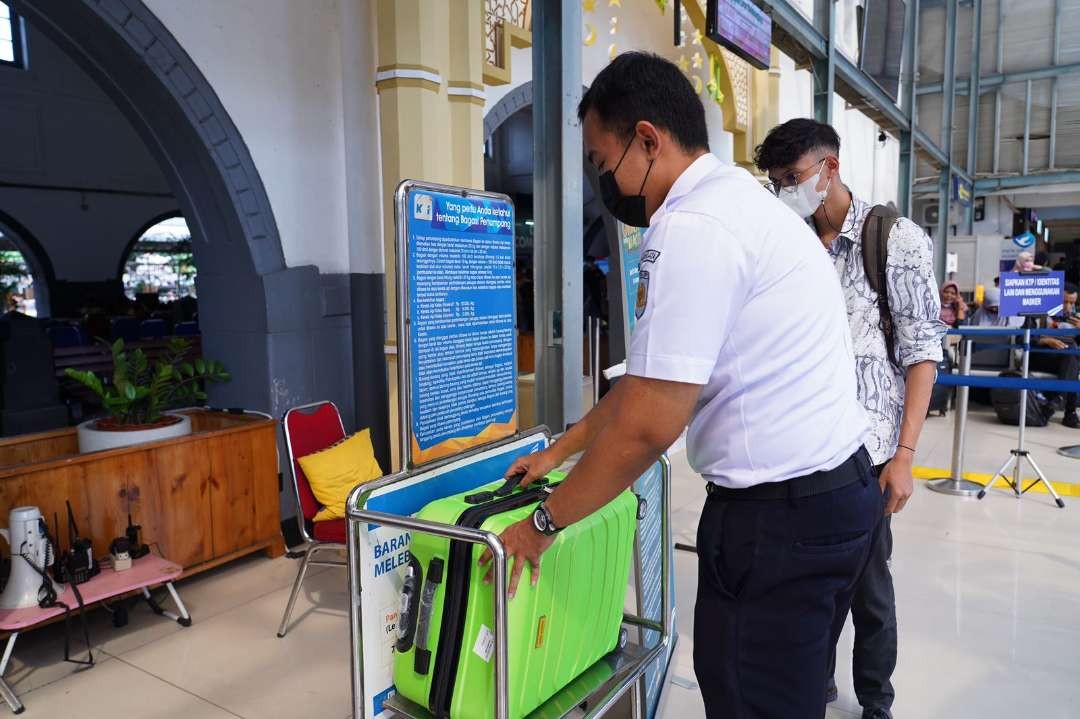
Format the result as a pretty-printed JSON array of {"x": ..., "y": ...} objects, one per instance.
[
  {"x": 650, "y": 555},
  {"x": 1032, "y": 293}
]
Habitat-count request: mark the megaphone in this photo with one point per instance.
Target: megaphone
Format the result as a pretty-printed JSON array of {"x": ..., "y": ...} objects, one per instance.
[{"x": 31, "y": 554}]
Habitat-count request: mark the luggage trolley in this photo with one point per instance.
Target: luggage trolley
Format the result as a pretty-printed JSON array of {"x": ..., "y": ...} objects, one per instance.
[{"x": 593, "y": 692}]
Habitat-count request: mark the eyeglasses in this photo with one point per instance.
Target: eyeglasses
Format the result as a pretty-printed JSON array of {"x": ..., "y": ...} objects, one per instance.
[{"x": 790, "y": 180}]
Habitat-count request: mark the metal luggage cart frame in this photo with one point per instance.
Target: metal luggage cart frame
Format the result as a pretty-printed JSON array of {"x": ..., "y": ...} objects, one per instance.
[{"x": 632, "y": 660}]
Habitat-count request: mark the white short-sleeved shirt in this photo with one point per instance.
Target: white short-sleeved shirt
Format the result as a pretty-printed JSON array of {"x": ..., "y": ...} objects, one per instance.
[{"x": 737, "y": 294}]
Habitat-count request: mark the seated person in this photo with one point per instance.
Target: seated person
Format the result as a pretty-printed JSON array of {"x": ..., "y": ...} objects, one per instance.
[
  {"x": 953, "y": 308},
  {"x": 1025, "y": 262},
  {"x": 1066, "y": 367},
  {"x": 987, "y": 315},
  {"x": 1069, "y": 316}
]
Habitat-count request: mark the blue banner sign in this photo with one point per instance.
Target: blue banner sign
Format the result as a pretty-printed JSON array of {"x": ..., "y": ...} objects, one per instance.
[
  {"x": 1032, "y": 293},
  {"x": 630, "y": 239},
  {"x": 962, "y": 191},
  {"x": 460, "y": 330}
]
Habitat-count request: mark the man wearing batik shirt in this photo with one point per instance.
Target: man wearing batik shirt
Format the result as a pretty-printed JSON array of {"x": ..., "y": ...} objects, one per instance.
[{"x": 802, "y": 160}]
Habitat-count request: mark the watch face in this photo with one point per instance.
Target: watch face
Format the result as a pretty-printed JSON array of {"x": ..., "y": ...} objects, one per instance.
[{"x": 540, "y": 521}]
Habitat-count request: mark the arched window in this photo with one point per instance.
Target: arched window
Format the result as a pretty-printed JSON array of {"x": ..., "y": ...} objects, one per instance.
[
  {"x": 16, "y": 280},
  {"x": 12, "y": 40},
  {"x": 160, "y": 262}
]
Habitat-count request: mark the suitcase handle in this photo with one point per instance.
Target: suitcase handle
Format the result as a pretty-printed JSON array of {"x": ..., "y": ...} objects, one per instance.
[
  {"x": 410, "y": 597},
  {"x": 512, "y": 482},
  {"x": 422, "y": 656}
]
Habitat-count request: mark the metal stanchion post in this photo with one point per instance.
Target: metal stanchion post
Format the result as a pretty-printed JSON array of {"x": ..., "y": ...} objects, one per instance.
[
  {"x": 1020, "y": 454},
  {"x": 589, "y": 343},
  {"x": 596, "y": 366},
  {"x": 955, "y": 483}
]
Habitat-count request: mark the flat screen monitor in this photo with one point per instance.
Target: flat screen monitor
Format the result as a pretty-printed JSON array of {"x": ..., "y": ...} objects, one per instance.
[
  {"x": 742, "y": 27},
  {"x": 881, "y": 42}
]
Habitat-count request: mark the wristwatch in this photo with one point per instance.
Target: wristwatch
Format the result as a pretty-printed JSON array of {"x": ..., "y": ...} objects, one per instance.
[{"x": 543, "y": 522}]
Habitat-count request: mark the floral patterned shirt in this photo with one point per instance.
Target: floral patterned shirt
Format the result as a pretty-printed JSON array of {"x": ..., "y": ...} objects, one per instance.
[{"x": 915, "y": 306}]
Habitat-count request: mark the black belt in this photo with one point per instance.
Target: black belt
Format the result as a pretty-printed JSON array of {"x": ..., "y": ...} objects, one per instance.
[{"x": 855, "y": 468}]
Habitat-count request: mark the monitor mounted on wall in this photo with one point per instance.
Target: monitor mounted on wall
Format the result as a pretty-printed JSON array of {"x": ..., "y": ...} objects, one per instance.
[{"x": 742, "y": 27}]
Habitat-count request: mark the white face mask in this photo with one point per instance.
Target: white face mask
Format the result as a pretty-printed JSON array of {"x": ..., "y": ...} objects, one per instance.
[{"x": 804, "y": 199}]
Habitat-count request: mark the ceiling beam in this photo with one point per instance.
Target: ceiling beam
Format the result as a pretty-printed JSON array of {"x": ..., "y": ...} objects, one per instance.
[
  {"x": 991, "y": 82},
  {"x": 1012, "y": 182},
  {"x": 973, "y": 107},
  {"x": 985, "y": 185},
  {"x": 796, "y": 35}
]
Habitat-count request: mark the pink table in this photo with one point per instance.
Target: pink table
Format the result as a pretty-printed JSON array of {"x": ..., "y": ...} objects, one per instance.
[{"x": 145, "y": 572}]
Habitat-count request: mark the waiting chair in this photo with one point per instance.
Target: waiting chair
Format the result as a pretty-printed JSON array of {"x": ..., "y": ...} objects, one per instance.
[
  {"x": 154, "y": 329},
  {"x": 309, "y": 429},
  {"x": 65, "y": 336},
  {"x": 124, "y": 328},
  {"x": 186, "y": 329}
]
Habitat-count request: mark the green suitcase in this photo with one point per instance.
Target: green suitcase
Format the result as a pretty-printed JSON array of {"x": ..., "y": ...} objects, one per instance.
[{"x": 444, "y": 657}]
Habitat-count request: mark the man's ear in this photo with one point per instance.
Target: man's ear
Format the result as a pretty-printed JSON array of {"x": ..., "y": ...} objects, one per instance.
[
  {"x": 833, "y": 163},
  {"x": 650, "y": 138}
]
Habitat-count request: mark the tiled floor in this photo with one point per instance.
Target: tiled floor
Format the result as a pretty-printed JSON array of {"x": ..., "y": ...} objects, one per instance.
[
  {"x": 988, "y": 443},
  {"x": 988, "y": 595},
  {"x": 988, "y": 592}
]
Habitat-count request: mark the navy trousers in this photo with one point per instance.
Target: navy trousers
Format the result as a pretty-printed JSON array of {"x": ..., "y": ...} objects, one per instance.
[
  {"x": 773, "y": 577},
  {"x": 873, "y": 614}
]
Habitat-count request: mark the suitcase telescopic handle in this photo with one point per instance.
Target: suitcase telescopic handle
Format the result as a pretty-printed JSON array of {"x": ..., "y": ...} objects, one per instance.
[{"x": 512, "y": 482}]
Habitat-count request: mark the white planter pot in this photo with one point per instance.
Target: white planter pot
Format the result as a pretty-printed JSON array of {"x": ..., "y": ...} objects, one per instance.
[{"x": 93, "y": 440}]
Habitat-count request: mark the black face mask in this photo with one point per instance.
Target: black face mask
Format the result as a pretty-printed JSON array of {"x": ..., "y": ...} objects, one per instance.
[{"x": 627, "y": 209}]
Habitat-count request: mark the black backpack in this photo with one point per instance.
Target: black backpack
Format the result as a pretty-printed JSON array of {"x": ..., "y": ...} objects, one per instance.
[
  {"x": 940, "y": 394},
  {"x": 875, "y": 244},
  {"x": 1007, "y": 405}
]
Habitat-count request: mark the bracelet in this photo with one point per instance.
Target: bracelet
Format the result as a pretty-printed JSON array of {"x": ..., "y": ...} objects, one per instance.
[{"x": 904, "y": 446}]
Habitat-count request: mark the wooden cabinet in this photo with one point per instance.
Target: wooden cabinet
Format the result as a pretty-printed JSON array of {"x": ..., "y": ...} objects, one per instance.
[
  {"x": 175, "y": 500},
  {"x": 201, "y": 499}
]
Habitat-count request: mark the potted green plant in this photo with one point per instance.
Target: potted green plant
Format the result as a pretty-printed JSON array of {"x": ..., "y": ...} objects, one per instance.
[{"x": 140, "y": 394}]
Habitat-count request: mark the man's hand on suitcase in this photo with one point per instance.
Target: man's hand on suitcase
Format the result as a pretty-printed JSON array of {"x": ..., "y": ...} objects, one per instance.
[
  {"x": 534, "y": 466},
  {"x": 523, "y": 544}
]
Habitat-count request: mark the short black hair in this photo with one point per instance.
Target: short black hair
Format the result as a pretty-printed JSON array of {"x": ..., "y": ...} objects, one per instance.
[
  {"x": 1071, "y": 289},
  {"x": 638, "y": 86},
  {"x": 786, "y": 143}
]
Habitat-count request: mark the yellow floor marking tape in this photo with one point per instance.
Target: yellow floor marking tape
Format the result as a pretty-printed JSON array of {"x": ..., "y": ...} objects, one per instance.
[{"x": 1065, "y": 489}]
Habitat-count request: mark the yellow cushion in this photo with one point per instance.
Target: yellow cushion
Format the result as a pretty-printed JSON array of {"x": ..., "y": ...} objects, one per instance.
[{"x": 334, "y": 471}]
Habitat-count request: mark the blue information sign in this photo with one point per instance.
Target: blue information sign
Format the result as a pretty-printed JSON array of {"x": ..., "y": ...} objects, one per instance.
[
  {"x": 1032, "y": 293},
  {"x": 462, "y": 343},
  {"x": 630, "y": 239}
]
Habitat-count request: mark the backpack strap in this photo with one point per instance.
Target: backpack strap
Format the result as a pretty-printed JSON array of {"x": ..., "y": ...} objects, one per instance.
[{"x": 875, "y": 245}]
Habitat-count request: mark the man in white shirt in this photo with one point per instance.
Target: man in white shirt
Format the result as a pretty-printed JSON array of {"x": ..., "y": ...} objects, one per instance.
[{"x": 725, "y": 341}]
